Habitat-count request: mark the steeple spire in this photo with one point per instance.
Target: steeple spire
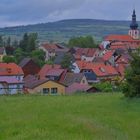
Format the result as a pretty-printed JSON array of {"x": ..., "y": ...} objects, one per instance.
[
  {"x": 134, "y": 31},
  {"x": 134, "y": 24}
]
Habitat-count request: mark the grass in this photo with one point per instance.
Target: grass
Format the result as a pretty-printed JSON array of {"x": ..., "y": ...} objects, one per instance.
[{"x": 79, "y": 117}]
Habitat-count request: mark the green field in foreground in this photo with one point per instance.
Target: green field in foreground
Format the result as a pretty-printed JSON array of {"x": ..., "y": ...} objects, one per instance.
[{"x": 79, "y": 117}]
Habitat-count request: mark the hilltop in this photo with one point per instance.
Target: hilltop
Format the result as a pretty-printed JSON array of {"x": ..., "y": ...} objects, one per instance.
[{"x": 62, "y": 31}]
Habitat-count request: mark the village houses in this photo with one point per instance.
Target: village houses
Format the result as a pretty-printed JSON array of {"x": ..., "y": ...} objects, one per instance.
[{"x": 89, "y": 66}]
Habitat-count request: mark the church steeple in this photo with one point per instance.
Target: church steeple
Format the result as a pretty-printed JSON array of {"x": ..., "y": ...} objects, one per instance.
[
  {"x": 134, "y": 31},
  {"x": 134, "y": 24}
]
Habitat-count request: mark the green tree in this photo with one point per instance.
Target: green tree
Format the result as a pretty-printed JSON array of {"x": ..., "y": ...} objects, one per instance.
[
  {"x": 83, "y": 42},
  {"x": 29, "y": 42},
  {"x": 32, "y": 42},
  {"x": 9, "y": 59},
  {"x": 8, "y": 42},
  {"x": 19, "y": 54},
  {"x": 131, "y": 87},
  {"x": 67, "y": 62},
  {"x": 15, "y": 44},
  {"x": 39, "y": 57},
  {"x": 105, "y": 86},
  {"x": 24, "y": 42},
  {"x": 1, "y": 41}
]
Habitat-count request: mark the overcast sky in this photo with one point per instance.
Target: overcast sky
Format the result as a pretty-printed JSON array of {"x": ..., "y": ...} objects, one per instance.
[{"x": 22, "y": 12}]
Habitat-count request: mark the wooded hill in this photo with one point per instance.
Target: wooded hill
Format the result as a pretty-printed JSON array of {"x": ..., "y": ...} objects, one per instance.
[{"x": 62, "y": 31}]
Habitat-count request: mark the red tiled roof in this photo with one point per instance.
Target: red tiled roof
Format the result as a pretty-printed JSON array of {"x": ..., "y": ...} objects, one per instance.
[
  {"x": 104, "y": 70},
  {"x": 118, "y": 47},
  {"x": 55, "y": 72},
  {"x": 48, "y": 46},
  {"x": 54, "y": 47},
  {"x": 118, "y": 43},
  {"x": 121, "y": 69},
  {"x": 99, "y": 69},
  {"x": 124, "y": 38},
  {"x": 108, "y": 55},
  {"x": 63, "y": 76},
  {"x": 122, "y": 60},
  {"x": 84, "y": 64},
  {"x": 89, "y": 52},
  {"x": 7, "y": 69},
  {"x": 46, "y": 68},
  {"x": 124, "y": 46},
  {"x": 77, "y": 57}
]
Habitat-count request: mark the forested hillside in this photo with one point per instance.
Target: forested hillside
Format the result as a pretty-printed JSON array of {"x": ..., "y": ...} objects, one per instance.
[{"x": 62, "y": 31}]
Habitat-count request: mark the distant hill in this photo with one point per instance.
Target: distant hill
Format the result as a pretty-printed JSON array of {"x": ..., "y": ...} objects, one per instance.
[{"x": 62, "y": 31}]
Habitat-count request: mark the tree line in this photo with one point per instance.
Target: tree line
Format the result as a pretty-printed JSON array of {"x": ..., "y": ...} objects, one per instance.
[{"x": 26, "y": 47}]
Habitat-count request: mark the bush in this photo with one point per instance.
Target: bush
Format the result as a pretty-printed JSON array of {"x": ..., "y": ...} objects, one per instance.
[
  {"x": 104, "y": 86},
  {"x": 131, "y": 87},
  {"x": 9, "y": 59}
]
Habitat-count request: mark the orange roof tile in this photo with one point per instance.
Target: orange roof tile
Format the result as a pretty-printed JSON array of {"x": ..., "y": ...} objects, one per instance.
[
  {"x": 108, "y": 55},
  {"x": 121, "y": 69},
  {"x": 123, "y": 38},
  {"x": 9, "y": 69},
  {"x": 46, "y": 68},
  {"x": 99, "y": 69},
  {"x": 89, "y": 52}
]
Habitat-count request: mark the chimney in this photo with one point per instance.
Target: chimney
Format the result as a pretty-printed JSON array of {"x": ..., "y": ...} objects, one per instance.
[{"x": 9, "y": 70}]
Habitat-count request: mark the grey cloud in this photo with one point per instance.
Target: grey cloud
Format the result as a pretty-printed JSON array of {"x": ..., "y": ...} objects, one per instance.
[{"x": 14, "y": 12}]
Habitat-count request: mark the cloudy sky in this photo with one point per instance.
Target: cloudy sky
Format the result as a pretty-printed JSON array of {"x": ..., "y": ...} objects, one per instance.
[{"x": 22, "y": 12}]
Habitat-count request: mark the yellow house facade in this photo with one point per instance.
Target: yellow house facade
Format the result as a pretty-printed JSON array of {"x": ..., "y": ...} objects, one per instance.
[{"x": 49, "y": 88}]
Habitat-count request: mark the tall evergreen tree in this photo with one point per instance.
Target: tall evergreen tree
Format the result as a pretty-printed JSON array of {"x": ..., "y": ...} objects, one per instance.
[
  {"x": 8, "y": 43},
  {"x": 1, "y": 41},
  {"x": 24, "y": 42}
]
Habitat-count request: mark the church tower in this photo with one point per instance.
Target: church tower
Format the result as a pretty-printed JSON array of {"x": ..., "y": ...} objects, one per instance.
[{"x": 134, "y": 31}]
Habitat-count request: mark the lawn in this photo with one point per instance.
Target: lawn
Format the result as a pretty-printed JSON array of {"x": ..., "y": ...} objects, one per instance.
[{"x": 79, "y": 117}]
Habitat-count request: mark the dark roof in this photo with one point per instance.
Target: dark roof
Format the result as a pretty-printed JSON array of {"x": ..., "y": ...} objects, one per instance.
[
  {"x": 71, "y": 78},
  {"x": 90, "y": 76},
  {"x": 24, "y": 62},
  {"x": 134, "y": 25},
  {"x": 2, "y": 50},
  {"x": 54, "y": 72},
  {"x": 59, "y": 57},
  {"x": 77, "y": 87},
  {"x": 34, "y": 82}
]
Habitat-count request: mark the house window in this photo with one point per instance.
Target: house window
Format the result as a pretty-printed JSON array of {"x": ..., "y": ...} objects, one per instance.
[
  {"x": 53, "y": 90},
  {"x": 18, "y": 86},
  {"x": 46, "y": 90}
]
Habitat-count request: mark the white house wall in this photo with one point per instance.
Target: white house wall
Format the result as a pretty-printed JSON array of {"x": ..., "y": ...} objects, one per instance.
[{"x": 75, "y": 68}]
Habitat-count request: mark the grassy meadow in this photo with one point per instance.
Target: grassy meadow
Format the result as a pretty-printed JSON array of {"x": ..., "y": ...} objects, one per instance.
[{"x": 79, "y": 117}]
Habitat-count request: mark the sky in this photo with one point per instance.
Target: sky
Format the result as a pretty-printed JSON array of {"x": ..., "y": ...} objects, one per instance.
[{"x": 23, "y": 12}]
